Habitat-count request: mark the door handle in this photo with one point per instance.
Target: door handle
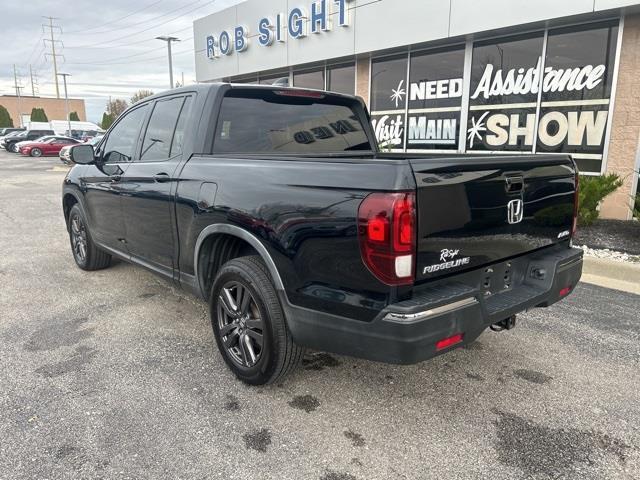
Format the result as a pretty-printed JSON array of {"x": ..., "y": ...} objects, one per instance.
[{"x": 161, "y": 177}]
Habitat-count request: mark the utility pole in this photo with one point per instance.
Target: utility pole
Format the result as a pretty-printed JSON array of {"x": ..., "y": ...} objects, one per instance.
[
  {"x": 168, "y": 39},
  {"x": 15, "y": 81},
  {"x": 33, "y": 90},
  {"x": 53, "y": 53},
  {"x": 66, "y": 99}
]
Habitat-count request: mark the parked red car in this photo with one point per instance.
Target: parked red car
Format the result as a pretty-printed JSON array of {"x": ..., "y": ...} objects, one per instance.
[{"x": 51, "y": 146}]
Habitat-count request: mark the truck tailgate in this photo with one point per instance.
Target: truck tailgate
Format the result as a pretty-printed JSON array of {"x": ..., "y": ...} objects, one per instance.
[{"x": 474, "y": 211}]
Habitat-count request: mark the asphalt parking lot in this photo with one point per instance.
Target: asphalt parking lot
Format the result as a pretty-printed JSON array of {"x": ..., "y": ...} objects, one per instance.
[{"x": 115, "y": 374}]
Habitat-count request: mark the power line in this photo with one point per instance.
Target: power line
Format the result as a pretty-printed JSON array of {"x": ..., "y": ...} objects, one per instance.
[
  {"x": 111, "y": 46},
  {"x": 109, "y": 60},
  {"x": 40, "y": 43},
  {"x": 41, "y": 66},
  {"x": 125, "y": 27},
  {"x": 138, "y": 61},
  {"x": 84, "y": 30}
]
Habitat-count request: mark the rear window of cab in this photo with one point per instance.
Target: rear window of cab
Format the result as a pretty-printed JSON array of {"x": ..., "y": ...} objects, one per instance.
[{"x": 288, "y": 121}]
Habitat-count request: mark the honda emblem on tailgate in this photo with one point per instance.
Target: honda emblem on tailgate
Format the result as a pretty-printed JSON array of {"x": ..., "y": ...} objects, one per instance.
[{"x": 515, "y": 211}]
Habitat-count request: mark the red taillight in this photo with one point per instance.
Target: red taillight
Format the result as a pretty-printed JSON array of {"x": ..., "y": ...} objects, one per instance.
[
  {"x": 386, "y": 227},
  {"x": 299, "y": 93},
  {"x": 449, "y": 341},
  {"x": 377, "y": 228},
  {"x": 403, "y": 215},
  {"x": 565, "y": 291},
  {"x": 576, "y": 199}
]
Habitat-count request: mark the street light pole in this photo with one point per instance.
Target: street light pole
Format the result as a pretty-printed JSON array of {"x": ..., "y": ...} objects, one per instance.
[
  {"x": 66, "y": 100},
  {"x": 169, "y": 39}
]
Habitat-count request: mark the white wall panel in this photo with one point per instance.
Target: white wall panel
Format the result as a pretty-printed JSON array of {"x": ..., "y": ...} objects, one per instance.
[
  {"x": 468, "y": 16},
  {"x": 393, "y": 23},
  {"x": 608, "y": 4}
]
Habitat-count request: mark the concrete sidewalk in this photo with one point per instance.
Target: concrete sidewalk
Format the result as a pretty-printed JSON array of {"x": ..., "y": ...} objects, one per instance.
[{"x": 612, "y": 274}]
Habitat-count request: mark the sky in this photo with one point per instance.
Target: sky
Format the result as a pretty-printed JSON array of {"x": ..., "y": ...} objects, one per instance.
[{"x": 108, "y": 47}]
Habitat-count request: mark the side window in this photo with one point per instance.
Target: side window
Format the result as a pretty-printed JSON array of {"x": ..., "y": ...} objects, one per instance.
[
  {"x": 121, "y": 143},
  {"x": 178, "y": 137},
  {"x": 157, "y": 138}
]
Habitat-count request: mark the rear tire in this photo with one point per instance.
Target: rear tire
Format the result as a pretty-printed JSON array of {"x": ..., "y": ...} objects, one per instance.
[
  {"x": 249, "y": 324},
  {"x": 86, "y": 254}
]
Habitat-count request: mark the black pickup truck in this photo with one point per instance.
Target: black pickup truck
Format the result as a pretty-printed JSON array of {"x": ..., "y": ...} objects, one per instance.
[{"x": 275, "y": 206}]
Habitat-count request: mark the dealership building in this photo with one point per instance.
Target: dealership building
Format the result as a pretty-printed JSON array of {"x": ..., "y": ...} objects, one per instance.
[{"x": 465, "y": 76}]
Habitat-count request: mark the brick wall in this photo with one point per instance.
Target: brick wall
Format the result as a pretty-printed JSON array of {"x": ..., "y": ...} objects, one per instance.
[
  {"x": 625, "y": 131},
  {"x": 53, "y": 107}
]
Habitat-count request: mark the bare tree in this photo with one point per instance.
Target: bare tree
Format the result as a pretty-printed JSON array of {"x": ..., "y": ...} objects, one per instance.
[
  {"x": 139, "y": 95},
  {"x": 116, "y": 106}
]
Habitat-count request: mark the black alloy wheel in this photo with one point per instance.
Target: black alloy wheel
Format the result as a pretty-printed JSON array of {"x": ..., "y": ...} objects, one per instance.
[
  {"x": 86, "y": 254},
  {"x": 249, "y": 324},
  {"x": 240, "y": 324},
  {"x": 78, "y": 234}
]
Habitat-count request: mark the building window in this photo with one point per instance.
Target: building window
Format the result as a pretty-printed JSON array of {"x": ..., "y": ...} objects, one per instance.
[
  {"x": 342, "y": 79},
  {"x": 309, "y": 79},
  {"x": 389, "y": 100},
  {"x": 575, "y": 79},
  {"x": 504, "y": 94},
  {"x": 435, "y": 99},
  {"x": 576, "y": 93}
]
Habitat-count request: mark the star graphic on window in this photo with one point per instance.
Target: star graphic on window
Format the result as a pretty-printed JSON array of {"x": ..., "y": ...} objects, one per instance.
[
  {"x": 398, "y": 93},
  {"x": 476, "y": 128}
]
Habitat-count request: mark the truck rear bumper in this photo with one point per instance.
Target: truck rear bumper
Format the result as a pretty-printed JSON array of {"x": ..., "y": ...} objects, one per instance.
[{"x": 459, "y": 309}]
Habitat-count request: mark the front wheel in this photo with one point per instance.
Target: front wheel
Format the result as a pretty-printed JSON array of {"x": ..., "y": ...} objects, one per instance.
[
  {"x": 249, "y": 325},
  {"x": 86, "y": 254},
  {"x": 35, "y": 152},
  {"x": 14, "y": 148}
]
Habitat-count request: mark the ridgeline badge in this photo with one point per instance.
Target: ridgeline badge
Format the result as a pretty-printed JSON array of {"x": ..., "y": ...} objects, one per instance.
[{"x": 447, "y": 256}]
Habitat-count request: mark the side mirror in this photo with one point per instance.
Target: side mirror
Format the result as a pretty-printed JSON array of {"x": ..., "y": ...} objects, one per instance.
[{"x": 82, "y": 154}]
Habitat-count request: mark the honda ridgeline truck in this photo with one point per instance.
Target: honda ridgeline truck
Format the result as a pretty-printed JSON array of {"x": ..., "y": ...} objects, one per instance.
[{"x": 275, "y": 205}]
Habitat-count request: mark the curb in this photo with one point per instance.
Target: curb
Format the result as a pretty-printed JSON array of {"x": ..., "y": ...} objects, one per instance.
[{"x": 611, "y": 274}]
